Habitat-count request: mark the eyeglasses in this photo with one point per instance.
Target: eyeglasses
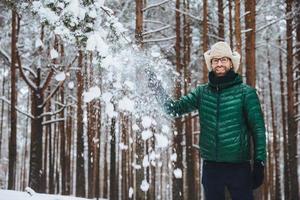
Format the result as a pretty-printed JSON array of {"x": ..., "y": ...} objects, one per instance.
[{"x": 223, "y": 60}]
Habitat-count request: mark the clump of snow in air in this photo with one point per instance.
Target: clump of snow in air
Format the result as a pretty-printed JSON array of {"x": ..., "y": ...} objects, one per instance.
[
  {"x": 71, "y": 85},
  {"x": 60, "y": 76},
  {"x": 123, "y": 146},
  {"x": 146, "y": 161},
  {"x": 126, "y": 104},
  {"x": 130, "y": 192},
  {"x": 146, "y": 134},
  {"x": 144, "y": 186},
  {"x": 147, "y": 121},
  {"x": 161, "y": 141},
  {"x": 135, "y": 127},
  {"x": 174, "y": 157},
  {"x": 177, "y": 173},
  {"x": 91, "y": 94},
  {"x": 53, "y": 54}
]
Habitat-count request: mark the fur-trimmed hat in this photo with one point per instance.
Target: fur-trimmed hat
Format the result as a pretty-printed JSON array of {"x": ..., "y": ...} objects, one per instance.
[{"x": 222, "y": 49}]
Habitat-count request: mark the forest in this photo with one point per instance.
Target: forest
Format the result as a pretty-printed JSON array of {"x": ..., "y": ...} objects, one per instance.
[{"x": 77, "y": 117}]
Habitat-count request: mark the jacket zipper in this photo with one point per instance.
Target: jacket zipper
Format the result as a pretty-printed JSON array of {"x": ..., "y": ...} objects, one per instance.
[{"x": 218, "y": 113}]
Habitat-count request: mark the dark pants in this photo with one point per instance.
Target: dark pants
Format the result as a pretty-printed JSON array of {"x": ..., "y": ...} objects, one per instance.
[{"x": 236, "y": 177}]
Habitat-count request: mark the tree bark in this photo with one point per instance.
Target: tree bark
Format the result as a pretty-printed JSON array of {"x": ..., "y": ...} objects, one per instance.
[
  {"x": 238, "y": 38},
  {"x": 13, "y": 113},
  {"x": 250, "y": 41},
  {"x": 80, "y": 175},
  {"x": 205, "y": 39},
  {"x": 292, "y": 125},
  {"x": 221, "y": 20}
]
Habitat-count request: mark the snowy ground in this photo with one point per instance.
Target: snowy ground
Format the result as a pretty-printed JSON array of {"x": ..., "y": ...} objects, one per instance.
[{"x": 17, "y": 195}]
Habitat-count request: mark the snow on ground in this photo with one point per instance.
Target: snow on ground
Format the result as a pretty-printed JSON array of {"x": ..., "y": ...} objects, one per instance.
[{"x": 17, "y": 195}]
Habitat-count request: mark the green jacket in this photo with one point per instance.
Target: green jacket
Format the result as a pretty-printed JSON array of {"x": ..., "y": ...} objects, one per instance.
[{"x": 228, "y": 114}]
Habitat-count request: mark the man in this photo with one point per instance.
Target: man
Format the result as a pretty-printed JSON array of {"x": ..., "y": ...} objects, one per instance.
[{"x": 230, "y": 116}]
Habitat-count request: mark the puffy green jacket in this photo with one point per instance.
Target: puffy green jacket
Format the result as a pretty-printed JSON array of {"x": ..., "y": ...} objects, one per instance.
[{"x": 229, "y": 114}]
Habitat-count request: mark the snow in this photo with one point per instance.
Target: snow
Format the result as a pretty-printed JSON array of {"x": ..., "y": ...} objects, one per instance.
[
  {"x": 109, "y": 110},
  {"x": 60, "y": 76},
  {"x": 91, "y": 94},
  {"x": 161, "y": 141},
  {"x": 17, "y": 195},
  {"x": 165, "y": 129},
  {"x": 146, "y": 134},
  {"x": 126, "y": 104},
  {"x": 123, "y": 146},
  {"x": 146, "y": 161},
  {"x": 53, "y": 54},
  {"x": 177, "y": 173},
  {"x": 106, "y": 97},
  {"x": 38, "y": 43},
  {"x": 130, "y": 192},
  {"x": 144, "y": 186},
  {"x": 147, "y": 121},
  {"x": 71, "y": 85},
  {"x": 173, "y": 157},
  {"x": 135, "y": 127},
  {"x": 95, "y": 42}
]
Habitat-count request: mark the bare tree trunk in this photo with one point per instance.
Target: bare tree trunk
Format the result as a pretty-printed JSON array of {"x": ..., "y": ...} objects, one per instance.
[
  {"x": 178, "y": 182},
  {"x": 191, "y": 190},
  {"x": 284, "y": 132},
  {"x": 139, "y": 22},
  {"x": 80, "y": 175},
  {"x": 292, "y": 125},
  {"x": 250, "y": 42},
  {"x": 205, "y": 38},
  {"x": 221, "y": 19},
  {"x": 113, "y": 194},
  {"x": 238, "y": 38},
  {"x": 13, "y": 113},
  {"x": 274, "y": 130},
  {"x": 230, "y": 24}
]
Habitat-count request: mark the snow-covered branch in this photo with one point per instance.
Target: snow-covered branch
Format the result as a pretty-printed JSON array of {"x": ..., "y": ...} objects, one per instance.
[
  {"x": 18, "y": 109},
  {"x": 155, "y": 5},
  {"x": 53, "y": 121},
  {"x": 156, "y": 30},
  {"x": 188, "y": 14},
  {"x": 45, "y": 84},
  {"x": 25, "y": 78},
  {"x": 52, "y": 113},
  {"x": 30, "y": 71},
  {"x": 160, "y": 39},
  {"x": 59, "y": 84},
  {"x": 154, "y": 22}
]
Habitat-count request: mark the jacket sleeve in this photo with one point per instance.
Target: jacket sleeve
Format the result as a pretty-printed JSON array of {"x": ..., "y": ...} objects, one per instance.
[
  {"x": 256, "y": 123},
  {"x": 185, "y": 104}
]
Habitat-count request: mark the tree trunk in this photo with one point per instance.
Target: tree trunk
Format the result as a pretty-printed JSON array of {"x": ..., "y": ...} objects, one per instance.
[
  {"x": 238, "y": 38},
  {"x": 221, "y": 20},
  {"x": 230, "y": 24},
  {"x": 139, "y": 22},
  {"x": 80, "y": 175},
  {"x": 113, "y": 193},
  {"x": 178, "y": 182},
  {"x": 250, "y": 41},
  {"x": 274, "y": 131},
  {"x": 205, "y": 39},
  {"x": 292, "y": 125},
  {"x": 13, "y": 113},
  {"x": 191, "y": 190}
]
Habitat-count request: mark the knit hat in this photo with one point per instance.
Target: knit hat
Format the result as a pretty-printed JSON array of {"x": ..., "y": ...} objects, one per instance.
[{"x": 222, "y": 49}]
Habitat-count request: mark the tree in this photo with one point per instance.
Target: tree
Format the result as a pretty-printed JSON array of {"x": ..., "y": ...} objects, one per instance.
[
  {"x": 292, "y": 125},
  {"x": 13, "y": 112},
  {"x": 250, "y": 41}
]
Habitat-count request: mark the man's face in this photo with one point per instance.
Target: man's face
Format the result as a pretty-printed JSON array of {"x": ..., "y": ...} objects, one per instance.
[{"x": 221, "y": 65}]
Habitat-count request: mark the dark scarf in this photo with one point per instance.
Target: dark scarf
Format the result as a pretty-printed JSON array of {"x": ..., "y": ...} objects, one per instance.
[{"x": 230, "y": 78}]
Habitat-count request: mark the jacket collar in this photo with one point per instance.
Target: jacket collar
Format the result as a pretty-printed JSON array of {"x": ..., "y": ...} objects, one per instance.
[{"x": 230, "y": 79}]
